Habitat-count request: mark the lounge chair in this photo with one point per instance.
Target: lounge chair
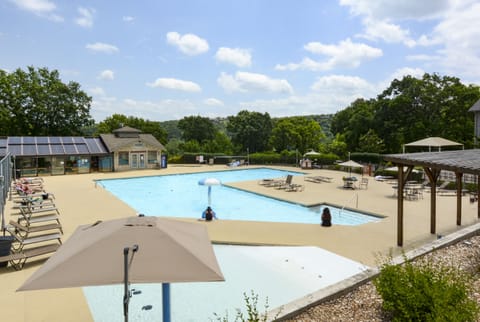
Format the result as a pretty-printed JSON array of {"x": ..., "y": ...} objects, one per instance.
[
  {"x": 286, "y": 184},
  {"x": 17, "y": 259},
  {"x": 363, "y": 183}
]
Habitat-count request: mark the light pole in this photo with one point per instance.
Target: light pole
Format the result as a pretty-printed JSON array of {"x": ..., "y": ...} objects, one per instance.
[{"x": 248, "y": 156}]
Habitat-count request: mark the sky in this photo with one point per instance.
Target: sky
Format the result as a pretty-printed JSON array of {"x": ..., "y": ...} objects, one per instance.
[{"x": 164, "y": 60}]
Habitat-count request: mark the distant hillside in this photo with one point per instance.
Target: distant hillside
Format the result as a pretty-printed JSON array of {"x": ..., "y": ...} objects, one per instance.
[{"x": 173, "y": 131}]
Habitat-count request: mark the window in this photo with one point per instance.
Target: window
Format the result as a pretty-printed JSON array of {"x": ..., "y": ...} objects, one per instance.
[
  {"x": 122, "y": 158},
  {"x": 152, "y": 157}
]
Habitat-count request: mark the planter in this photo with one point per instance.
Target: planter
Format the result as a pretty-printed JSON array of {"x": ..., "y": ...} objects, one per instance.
[{"x": 5, "y": 246}]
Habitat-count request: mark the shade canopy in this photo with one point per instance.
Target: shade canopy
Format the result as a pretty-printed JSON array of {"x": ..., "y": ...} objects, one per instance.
[
  {"x": 168, "y": 251},
  {"x": 436, "y": 142},
  {"x": 351, "y": 164},
  {"x": 313, "y": 152}
]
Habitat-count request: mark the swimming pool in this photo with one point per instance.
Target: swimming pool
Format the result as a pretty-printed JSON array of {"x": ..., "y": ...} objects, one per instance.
[
  {"x": 283, "y": 274},
  {"x": 181, "y": 196}
]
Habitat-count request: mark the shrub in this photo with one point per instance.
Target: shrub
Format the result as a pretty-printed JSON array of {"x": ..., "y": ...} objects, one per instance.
[
  {"x": 252, "y": 313},
  {"x": 424, "y": 292}
]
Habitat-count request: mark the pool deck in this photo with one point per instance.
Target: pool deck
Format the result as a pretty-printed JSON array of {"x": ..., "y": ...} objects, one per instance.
[{"x": 80, "y": 201}]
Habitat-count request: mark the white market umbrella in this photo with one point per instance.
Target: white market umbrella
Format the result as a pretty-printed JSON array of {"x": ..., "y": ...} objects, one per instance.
[
  {"x": 350, "y": 164},
  {"x": 209, "y": 182},
  {"x": 161, "y": 251}
]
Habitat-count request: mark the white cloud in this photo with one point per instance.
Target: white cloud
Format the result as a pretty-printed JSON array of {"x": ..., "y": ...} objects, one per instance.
[
  {"x": 102, "y": 48},
  {"x": 86, "y": 17},
  {"x": 386, "y": 31},
  {"x": 163, "y": 110},
  {"x": 345, "y": 54},
  {"x": 188, "y": 44},
  {"x": 394, "y": 9},
  {"x": 344, "y": 85},
  {"x": 106, "y": 74},
  {"x": 459, "y": 34},
  {"x": 128, "y": 18},
  {"x": 236, "y": 56},
  {"x": 98, "y": 91},
  {"x": 247, "y": 82},
  {"x": 41, "y": 8},
  {"x": 177, "y": 84},
  {"x": 213, "y": 102}
]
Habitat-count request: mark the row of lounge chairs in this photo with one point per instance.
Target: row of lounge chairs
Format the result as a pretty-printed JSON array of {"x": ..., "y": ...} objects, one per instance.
[
  {"x": 318, "y": 179},
  {"x": 36, "y": 230},
  {"x": 282, "y": 184}
]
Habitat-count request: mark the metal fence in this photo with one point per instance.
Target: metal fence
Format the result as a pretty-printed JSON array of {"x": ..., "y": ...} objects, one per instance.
[{"x": 6, "y": 167}]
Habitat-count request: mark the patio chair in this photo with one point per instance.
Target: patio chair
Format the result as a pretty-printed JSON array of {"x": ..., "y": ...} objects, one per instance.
[{"x": 363, "y": 183}]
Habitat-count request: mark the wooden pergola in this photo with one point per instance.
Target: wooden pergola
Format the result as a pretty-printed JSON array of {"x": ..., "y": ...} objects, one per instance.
[{"x": 458, "y": 161}]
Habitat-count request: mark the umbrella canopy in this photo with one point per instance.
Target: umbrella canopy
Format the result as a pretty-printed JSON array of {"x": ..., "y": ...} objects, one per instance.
[
  {"x": 351, "y": 164},
  {"x": 313, "y": 152},
  {"x": 209, "y": 182},
  {"x": 168, "y": 251}
]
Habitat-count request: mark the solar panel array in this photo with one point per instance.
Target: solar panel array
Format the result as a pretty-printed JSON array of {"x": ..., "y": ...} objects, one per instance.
[{"x": 51, "y": 145}]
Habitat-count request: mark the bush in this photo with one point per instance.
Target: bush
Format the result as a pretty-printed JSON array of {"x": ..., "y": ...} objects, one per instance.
[
  {"x": 252, "y": 311},
  {"x": 422, "y": 292}
]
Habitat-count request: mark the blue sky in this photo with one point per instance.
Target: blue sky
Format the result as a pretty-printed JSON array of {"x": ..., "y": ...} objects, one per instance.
[{"x": 163, "y": 60}]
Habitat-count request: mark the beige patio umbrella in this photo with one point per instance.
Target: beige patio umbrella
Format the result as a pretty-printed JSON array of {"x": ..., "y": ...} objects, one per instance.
[
  {"x": 162, "y": 251},
  {"x": 350, "y": 164}
]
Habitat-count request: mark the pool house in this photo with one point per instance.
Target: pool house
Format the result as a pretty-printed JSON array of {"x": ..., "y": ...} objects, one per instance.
[{"x": 125, "y": 149}]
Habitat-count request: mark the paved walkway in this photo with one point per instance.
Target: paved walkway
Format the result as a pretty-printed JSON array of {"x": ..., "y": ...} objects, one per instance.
[{"x": 81, "y": 202}]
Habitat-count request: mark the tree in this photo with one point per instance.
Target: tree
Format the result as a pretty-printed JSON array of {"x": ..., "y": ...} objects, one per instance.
[
  {"x": 117, "y": 121},
  {"x": 297, "y": 132},
  {"x": 370, "y": 142},
  {"x": 37, "y": 103},
  {"x": 198, "y": 128},
  {"x": 250, "y": 130}
]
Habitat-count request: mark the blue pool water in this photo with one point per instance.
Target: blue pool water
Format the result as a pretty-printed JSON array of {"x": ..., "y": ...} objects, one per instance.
[
  {"x": 281, "y": 274},
  {"x": 181, "y": 196}
]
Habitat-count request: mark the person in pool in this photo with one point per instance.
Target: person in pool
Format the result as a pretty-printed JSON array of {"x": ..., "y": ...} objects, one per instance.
[
  {"x": 209, "y": 214},
  {"x": 326, "y": 217}
]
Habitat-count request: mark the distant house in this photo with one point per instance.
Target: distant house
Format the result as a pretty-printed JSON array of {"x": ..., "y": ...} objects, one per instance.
[
  {"x": 133, "y": 150},
  {"x": 126, "y": 149}
]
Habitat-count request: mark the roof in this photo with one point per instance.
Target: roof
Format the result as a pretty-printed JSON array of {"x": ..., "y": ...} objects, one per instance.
[
  {"x": 433, "y": 141},
  {"x": 475, "y": 107},
  {"x": 126, "y": 129},
  {"x": 463, "y": 161},
  {"x": 115, "y": 143},
  {"x": 36, "y": 146}
]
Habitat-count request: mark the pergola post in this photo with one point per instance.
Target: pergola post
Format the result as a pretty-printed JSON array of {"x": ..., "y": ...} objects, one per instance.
[
  {"x": 459, "y": 176},
  {"x": 400, "y": 205},
  {"x": 433, "y": 175}
]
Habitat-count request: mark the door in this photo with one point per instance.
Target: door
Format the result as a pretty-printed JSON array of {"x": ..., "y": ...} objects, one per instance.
[
  {"x": 138, "y": 161},
  {"x": 134, "y": 164}
]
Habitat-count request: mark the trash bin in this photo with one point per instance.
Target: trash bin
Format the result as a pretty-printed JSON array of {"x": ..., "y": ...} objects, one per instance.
[
  {"x": 5, "y": 246},
  {"x": 164, "y": 161}
]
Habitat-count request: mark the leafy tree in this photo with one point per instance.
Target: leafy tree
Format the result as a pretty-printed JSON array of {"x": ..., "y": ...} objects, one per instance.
[
  {"x": 250, "y": 130},
  {"x": 197, "y": 128},
  {"x": 370, "y": 142},
  {"x": 117, "y": 121},
  {"x": 36, "y": 102},
  {"x": 338, "y": 146},
  {"x": 411, "y": 109},
  {"x": 221, "y": 144},
  {"x": 296, "y": 132}
]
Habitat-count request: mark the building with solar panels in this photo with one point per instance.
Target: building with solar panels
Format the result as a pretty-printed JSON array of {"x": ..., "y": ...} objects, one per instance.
[{"x": 125, "y": 149}]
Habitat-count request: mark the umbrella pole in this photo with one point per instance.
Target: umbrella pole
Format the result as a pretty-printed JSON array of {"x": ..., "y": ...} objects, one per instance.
[
  {"x": 166, "y": 302},
  {"x": 209, "y": 195},
  {"x": 126, "y": 295}
]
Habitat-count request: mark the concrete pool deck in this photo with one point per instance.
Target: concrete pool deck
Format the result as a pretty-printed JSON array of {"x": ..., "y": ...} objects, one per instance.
[{"x": 80, "y": 201}]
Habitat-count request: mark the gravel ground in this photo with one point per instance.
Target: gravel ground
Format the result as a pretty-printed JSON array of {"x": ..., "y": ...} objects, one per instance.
[{"x": 364, "y": 303}]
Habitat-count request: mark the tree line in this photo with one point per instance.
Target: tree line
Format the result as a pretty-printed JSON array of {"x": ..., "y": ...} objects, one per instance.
[{"x": 35, "y": 102}]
